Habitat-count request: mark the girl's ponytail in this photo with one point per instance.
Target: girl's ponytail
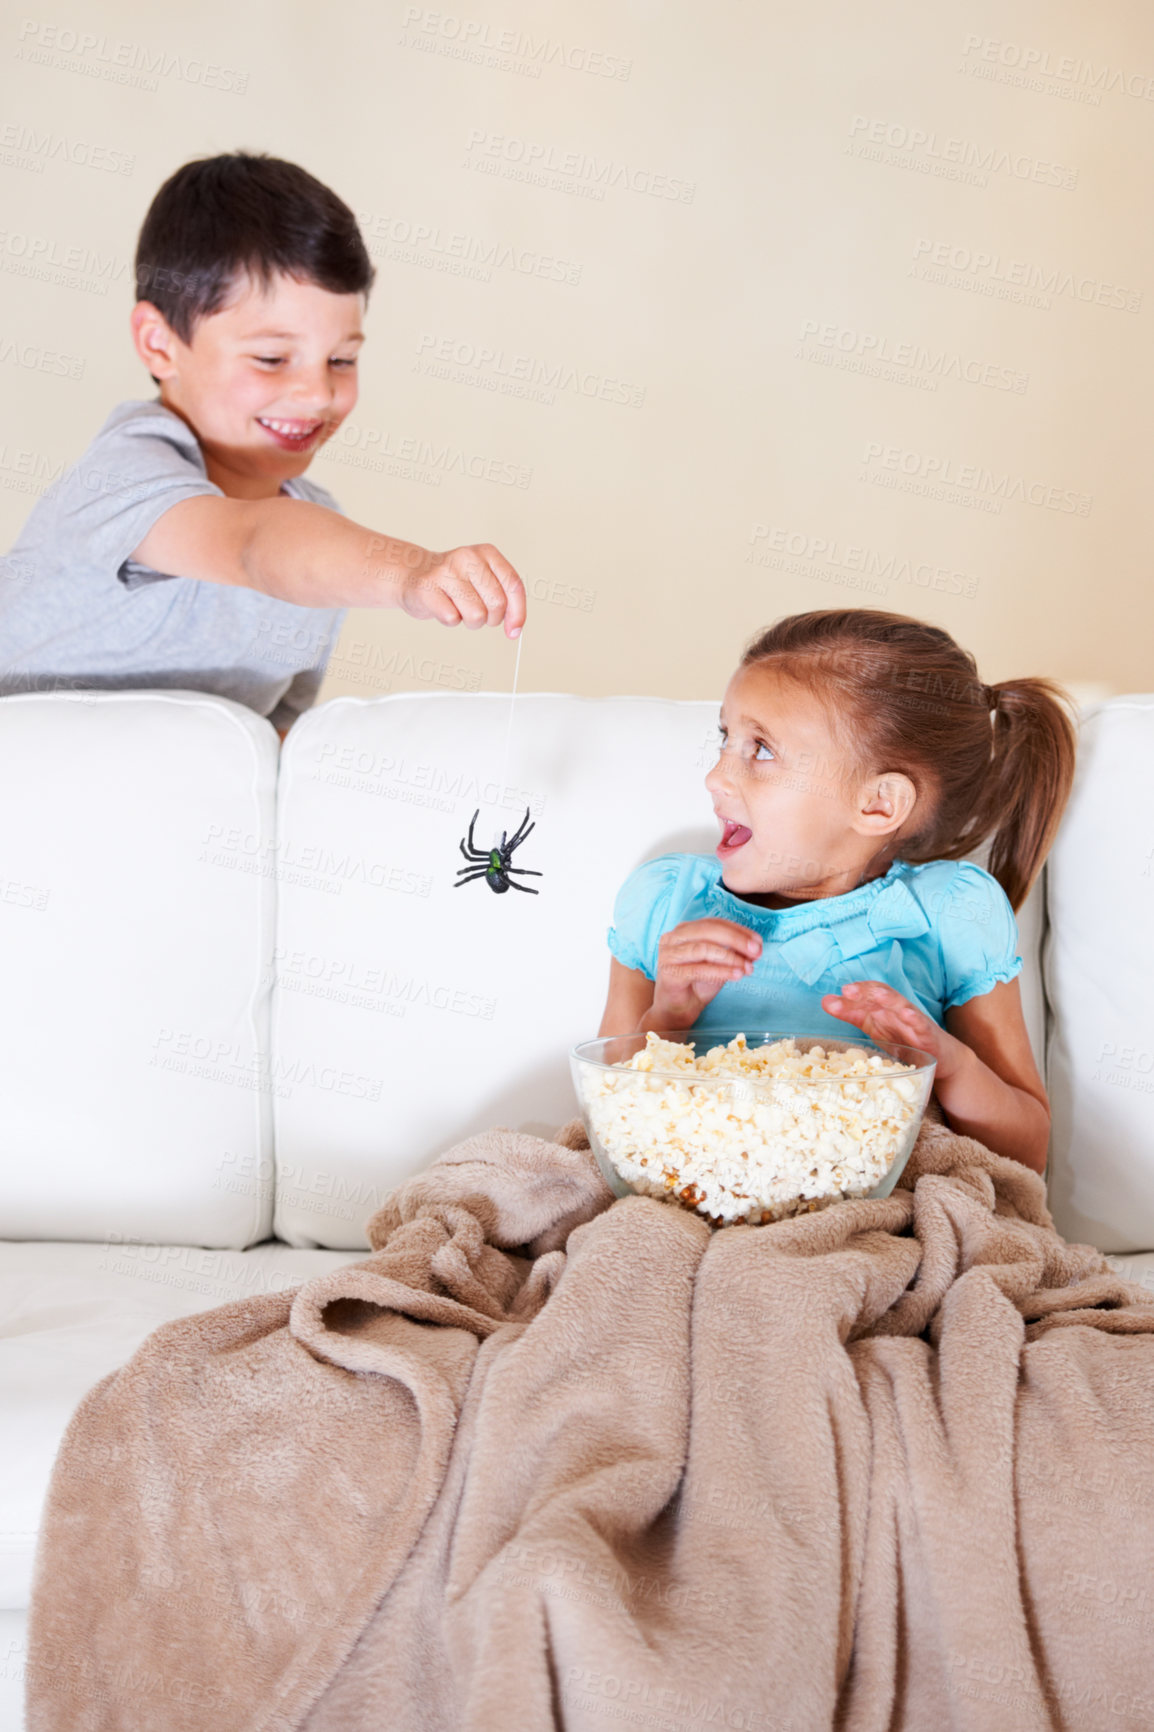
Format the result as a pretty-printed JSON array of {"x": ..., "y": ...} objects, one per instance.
[{"x": 1029, "y": 778}]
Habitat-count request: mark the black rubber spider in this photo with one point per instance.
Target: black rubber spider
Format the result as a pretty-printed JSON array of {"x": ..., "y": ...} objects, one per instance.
[{"x": 493, "y": 864}]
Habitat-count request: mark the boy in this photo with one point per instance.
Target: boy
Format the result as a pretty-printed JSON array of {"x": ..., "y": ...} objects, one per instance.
[{"x": 185, "y": 540}]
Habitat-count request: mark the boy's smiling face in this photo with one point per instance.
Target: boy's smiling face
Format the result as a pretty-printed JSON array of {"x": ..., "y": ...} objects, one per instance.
[{"x": 264, "y": 382}]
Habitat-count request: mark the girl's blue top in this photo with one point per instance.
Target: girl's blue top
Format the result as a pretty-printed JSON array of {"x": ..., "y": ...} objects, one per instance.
[{"x": 939, "y": 934}]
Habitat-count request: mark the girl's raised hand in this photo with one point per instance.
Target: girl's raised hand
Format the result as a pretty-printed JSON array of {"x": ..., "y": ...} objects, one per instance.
[
  {"x": 694, "y": 961},
  {"x": 883, "y": 1014}
]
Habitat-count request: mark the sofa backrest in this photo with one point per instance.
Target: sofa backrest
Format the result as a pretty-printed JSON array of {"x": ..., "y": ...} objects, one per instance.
[
  {"x": 411, "y": 1011},
  {"x": 134, "y": 959},
  {"x": 225, "y": 961},
  {"x": 1099, "y": 963}
]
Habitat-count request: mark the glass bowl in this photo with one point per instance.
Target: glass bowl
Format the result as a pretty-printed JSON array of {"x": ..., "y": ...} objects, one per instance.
[{"x": 750, "y": 1147}]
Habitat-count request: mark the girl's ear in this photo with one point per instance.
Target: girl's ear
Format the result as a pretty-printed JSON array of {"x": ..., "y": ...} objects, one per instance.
[{"x": 886, "y": 803}]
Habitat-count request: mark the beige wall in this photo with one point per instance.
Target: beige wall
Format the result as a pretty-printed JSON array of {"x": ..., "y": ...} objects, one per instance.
[{"x": 703, "y": 313}]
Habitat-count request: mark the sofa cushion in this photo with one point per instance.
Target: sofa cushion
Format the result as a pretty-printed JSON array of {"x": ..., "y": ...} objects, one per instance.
[
  {"x": 13, "y": 1664},
  {"x": 411, "y": 1012},
  {"x": 71, "y": 1313},
  {"x": 1099, "y": 960},
  {"x": 136, "y": 929}
]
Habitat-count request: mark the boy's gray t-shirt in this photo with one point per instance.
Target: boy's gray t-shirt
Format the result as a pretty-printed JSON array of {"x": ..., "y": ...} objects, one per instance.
[{"x": 76, "y": 613}]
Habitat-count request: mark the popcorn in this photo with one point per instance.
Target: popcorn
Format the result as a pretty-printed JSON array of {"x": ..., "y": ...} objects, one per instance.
[{"x": 788, "y": 1131}]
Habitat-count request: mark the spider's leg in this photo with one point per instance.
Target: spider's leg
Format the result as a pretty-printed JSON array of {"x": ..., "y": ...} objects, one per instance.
[
  {"x": 522, "y": 832},
  {"x": 516, "y": 844},
  {"x": 472, "y": 821},
  {"x": 526, "y": 871},
  {"x": 475, "y": 855},
  {"x": 525, "y": 887},
  {"x": 468, "y": 877}
]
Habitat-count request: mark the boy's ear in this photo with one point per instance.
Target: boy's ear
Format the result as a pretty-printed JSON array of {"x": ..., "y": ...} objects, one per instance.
[
  {"x": 154, "y": 339},
  {"x": 886, "y": 802}
]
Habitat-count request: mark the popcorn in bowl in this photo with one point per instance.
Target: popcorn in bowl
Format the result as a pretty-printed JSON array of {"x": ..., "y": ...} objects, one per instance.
[{"x": 750, "y": 1133}]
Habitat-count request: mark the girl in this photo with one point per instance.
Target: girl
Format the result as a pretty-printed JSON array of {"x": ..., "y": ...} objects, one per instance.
[{"x": 861, "y": 757}]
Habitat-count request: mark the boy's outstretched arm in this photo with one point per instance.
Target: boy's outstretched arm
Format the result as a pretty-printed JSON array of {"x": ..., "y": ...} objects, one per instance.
[{"x": 303, "y": 553}]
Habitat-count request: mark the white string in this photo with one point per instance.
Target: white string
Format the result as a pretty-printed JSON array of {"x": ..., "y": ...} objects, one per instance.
[{"x": 508, "y": 735}]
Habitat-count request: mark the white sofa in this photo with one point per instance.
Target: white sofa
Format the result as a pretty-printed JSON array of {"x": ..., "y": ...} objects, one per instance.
[{"x": 243, "y": 997}]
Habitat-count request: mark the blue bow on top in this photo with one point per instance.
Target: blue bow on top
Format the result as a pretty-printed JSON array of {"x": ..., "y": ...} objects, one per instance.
[{"x": 895, "y": 913}]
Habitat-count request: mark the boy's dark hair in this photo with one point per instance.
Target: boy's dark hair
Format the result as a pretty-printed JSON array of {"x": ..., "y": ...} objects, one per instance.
[{"x": 223, "y": 216}]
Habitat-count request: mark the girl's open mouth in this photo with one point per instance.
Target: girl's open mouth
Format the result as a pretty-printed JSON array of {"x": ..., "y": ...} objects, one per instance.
[{"x": 733, "y": 837}]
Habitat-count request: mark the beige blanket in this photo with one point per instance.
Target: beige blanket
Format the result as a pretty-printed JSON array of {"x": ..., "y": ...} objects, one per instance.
[{"x": 545, "y": 1460}]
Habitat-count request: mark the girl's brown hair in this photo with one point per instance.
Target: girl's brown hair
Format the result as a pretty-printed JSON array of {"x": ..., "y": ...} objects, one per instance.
[{"x": 985, "y": 760}]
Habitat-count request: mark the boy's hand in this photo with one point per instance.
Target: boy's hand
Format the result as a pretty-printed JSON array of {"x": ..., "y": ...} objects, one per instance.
[
  {"x": 694, "y": 961},
  {"x": 883, "y": 1014},
  {"x": 470, "y": 586}
]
